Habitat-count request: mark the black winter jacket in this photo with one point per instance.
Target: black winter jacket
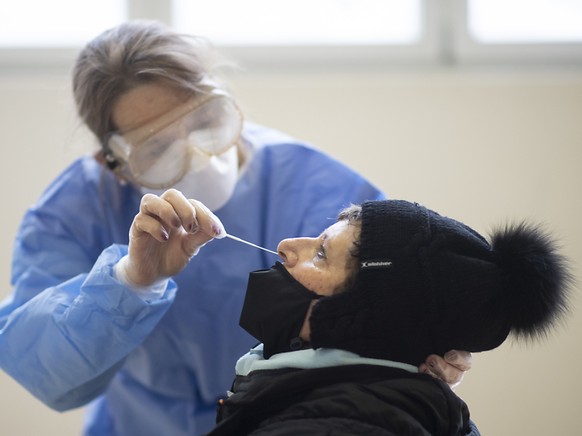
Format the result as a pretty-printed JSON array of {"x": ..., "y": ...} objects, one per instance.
[{"x": 342, "y": 400}]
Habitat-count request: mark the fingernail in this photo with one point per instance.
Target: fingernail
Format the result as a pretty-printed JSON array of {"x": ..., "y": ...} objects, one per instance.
[
  {"x": 218, "y": 231},
  {"x": 451, "y": 355},
  {"x": 217, "y": 228}
]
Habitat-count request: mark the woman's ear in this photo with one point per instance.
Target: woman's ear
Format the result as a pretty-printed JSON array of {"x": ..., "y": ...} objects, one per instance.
[{"x": 100, "y": 157}]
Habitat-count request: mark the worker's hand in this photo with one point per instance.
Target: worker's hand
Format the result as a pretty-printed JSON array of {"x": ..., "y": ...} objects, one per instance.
[
  {"x": 165, "y": 234},
  {"x": 449, "y": 369}
]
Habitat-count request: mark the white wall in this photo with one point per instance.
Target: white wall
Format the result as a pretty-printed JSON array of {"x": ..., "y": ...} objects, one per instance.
[{"x": 479, "y": 146}]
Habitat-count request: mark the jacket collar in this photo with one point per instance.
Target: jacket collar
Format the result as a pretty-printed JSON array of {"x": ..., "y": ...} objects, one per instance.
[{"x": 309, "y": 359}]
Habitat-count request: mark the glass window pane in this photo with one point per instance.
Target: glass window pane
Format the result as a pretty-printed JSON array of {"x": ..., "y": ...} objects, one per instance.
[
  {"x": 525, "y": 21},
  {"x": 301, "y": 22},
  {"x": 56, "y": 23}
]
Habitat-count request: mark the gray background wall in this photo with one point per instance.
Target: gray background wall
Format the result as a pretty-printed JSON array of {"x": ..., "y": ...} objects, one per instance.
[{"x": 482, "y": 147}]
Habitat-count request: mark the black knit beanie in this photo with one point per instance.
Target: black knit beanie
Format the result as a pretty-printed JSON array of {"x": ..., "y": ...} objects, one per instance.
[{"x": 428, "y": 284}]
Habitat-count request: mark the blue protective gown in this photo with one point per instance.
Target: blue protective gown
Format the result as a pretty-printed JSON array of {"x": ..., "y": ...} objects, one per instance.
[{"x": 72, "y": 334}]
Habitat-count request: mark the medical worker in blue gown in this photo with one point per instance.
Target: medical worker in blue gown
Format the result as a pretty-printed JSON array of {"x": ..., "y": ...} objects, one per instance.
[{"x": 77, "y": 328}]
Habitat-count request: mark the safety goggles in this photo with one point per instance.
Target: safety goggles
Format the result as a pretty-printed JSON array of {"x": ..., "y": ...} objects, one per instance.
[{"x": 203, "y": 127}]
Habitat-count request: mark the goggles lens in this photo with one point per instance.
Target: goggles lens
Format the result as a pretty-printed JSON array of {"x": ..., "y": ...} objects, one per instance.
[{"x": 159, "y": 154}]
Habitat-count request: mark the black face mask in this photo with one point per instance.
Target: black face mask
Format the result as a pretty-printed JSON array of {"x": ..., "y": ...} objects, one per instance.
[{"x": 274, "y": 309}]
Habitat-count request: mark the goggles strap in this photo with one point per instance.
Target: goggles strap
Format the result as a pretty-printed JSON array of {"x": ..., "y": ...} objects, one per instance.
[{"x": 110, "y": 159}]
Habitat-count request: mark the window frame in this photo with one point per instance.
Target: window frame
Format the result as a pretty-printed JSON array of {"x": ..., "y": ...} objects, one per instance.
[
  {"x": 445, "y": 42},
  {"x": 469, "y": 52},
  {"x": 425, "y": 52}
]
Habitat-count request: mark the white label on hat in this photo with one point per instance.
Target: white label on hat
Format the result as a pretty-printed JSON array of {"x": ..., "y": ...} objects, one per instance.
[{"x": 376, "y": 264}]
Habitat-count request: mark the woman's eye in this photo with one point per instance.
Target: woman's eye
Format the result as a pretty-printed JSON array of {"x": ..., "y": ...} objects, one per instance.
[{"x": 320, "y": 253}]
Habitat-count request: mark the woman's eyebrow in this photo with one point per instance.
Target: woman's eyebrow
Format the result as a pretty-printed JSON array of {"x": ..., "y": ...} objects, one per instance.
[{"x": 324, "y": 248}]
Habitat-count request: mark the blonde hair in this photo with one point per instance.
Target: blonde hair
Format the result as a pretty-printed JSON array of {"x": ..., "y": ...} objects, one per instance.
[{"x": 135, "y": 53}]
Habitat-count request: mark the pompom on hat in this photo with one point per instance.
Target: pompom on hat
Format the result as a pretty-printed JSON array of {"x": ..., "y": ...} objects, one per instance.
[{"x": 428, "y": 284}]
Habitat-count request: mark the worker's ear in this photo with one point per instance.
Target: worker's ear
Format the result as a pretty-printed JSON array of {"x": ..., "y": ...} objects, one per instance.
[{"x": 100, "y": 157}]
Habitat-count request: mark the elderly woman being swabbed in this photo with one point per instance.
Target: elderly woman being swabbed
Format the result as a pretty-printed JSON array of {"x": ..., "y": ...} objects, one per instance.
[{"x": 346, "y": 318}]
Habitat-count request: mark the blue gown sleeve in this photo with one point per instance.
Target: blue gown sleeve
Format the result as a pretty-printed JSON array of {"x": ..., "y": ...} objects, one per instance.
[
  {"x": 53, "y": 344},
  {"x": 68, "y": 324}
]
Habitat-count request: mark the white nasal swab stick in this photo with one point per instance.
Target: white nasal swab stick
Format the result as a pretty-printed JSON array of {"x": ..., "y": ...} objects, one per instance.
[{"x": 234, "y": 238}]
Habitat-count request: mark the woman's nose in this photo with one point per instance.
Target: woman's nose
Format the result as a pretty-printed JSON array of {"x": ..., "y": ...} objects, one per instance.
[
  {"x": 285, "y": 252},
  {"x": 289, "y": 250}
]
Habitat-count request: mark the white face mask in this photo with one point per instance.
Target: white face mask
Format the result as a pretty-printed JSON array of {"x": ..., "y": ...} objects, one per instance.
[{"x": 210, "y": 179}]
